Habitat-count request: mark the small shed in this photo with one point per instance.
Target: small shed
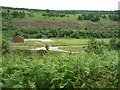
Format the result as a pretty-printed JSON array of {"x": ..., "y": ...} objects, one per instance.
[{"x": 17, "y": 39}]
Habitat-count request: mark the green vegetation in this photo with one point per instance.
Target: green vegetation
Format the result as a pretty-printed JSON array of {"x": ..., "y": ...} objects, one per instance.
[
  {"x": 73, "y": 48},
  {"x": 73, "y": 41},
  {"x": 65, "y": 71},
  {"x": 47, "y": 46},
  {"x": 67, "y": 42},
  {"x": 43, "y": 24},
  {"x": 24, "y": 46},
  {"x": 94, "y": 33}
]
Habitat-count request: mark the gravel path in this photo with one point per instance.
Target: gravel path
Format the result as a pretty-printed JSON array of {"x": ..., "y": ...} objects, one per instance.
[
  {"x": 53, "y": 49},
  {"x": 43, "y": 40}
]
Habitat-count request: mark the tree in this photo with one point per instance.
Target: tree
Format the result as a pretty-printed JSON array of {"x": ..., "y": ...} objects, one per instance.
[
  {"x": 15, "y": 14},
  {"x": 94, "y": 47},
  {"x": 47, "y": 10},
  {"x": 22, "y": 14},
  {"x": 114, "y": 43},
  {"x": 114, "y": 17},
  {"x": 39, "y": 35},
  {"x": 80, "y": 17},
  {"x": 104, "y": 17},
  {"x": 5, "y": 47},
  {"x": 95, "y": 19}
]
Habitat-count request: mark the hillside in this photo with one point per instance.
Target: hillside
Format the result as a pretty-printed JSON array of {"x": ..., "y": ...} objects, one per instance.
[
  {"x": 52, "y": 49},
  {"x": 34, "y": 23},
  {"x": 105, "y": 18}
]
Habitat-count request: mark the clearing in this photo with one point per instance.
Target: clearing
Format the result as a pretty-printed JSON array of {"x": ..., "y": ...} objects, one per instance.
[{"x": 60, "y": 45}]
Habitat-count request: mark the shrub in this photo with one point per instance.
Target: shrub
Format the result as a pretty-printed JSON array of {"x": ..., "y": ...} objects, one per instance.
[
  {"x": 114, "y": 44},
  {"x": 5, "y": 47},
  {"x": 47, "y": 46},
  {"x": 94, "y": 47}
]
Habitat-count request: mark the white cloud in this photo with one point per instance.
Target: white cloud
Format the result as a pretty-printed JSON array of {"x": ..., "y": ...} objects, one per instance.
[{"x": 63, "y": 4}]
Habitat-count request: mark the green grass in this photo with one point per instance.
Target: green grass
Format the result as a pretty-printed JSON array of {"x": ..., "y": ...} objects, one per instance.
[
  {"x": 34, "y": 43},
  {"x": 104, "y": 40},
  {"x": 39, "y": 17},
  {"x": 71, "y": 42},
  {"x": 66, "y": 42},
  {"x": 71, "y": 18},
  {"x": 78, "y": 41},
  {"x": 106, "y": 22},
  {"x": 25, "y": 46},
  {"x": 73, "y": 48},
  {"x": 85, "y": 21}
]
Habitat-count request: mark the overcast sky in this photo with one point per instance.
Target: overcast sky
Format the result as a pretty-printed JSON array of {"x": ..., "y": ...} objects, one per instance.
[{"x": 63, "y": 4}]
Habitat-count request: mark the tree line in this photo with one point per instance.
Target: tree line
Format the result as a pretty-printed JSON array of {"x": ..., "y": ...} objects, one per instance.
[
  {"x": 92, "y": 17},
  {"x": 16, "y": 14},
  {"x": 83, "y": 14},
  {"x": 96, "y": 17},
  {"x": 51, "y": 14}
]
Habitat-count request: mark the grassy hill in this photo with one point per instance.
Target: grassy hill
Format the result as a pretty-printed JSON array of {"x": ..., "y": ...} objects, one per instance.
[
  {"x": 34, "y": 23},
  {"x": 57, "y": 16},
  {"x": 92, "y": 34}
]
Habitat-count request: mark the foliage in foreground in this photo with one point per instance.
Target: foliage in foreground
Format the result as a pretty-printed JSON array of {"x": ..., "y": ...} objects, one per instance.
[{"x": 65, "y": 71}]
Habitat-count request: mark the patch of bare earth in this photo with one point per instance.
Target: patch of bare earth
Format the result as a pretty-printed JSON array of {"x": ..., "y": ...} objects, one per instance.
[
  {"x": 45, "y": 24},
  {"x": 92, "y": 25},
  {"x": 112, "y": 26}
]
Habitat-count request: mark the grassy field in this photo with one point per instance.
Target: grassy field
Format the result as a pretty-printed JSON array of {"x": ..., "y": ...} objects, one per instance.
[
  {"x": 39, "y": 17},
  {"x": 73, "y": 48},
  {"x": 73, "y": 41},
  {"x": 70, "y": 18},
  {"x": 74, "y": 45},
  {"x": 105, "y": 22},
  {"x": 78, "y": 41},
  {"x": 25, "y": 46},
  {"x": 67, "y": 42}
]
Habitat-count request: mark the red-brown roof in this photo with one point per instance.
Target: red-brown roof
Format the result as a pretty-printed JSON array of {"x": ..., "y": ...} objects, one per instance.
[{"x": 17, "y": 39}]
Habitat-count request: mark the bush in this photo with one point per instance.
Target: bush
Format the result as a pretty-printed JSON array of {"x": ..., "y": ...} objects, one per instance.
[
  {"x": 95, "y": 47},
  {"x": 5, "y": 46},
  {"x": 114, "y": 44},
  {"x": 47, "y": 46}
]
